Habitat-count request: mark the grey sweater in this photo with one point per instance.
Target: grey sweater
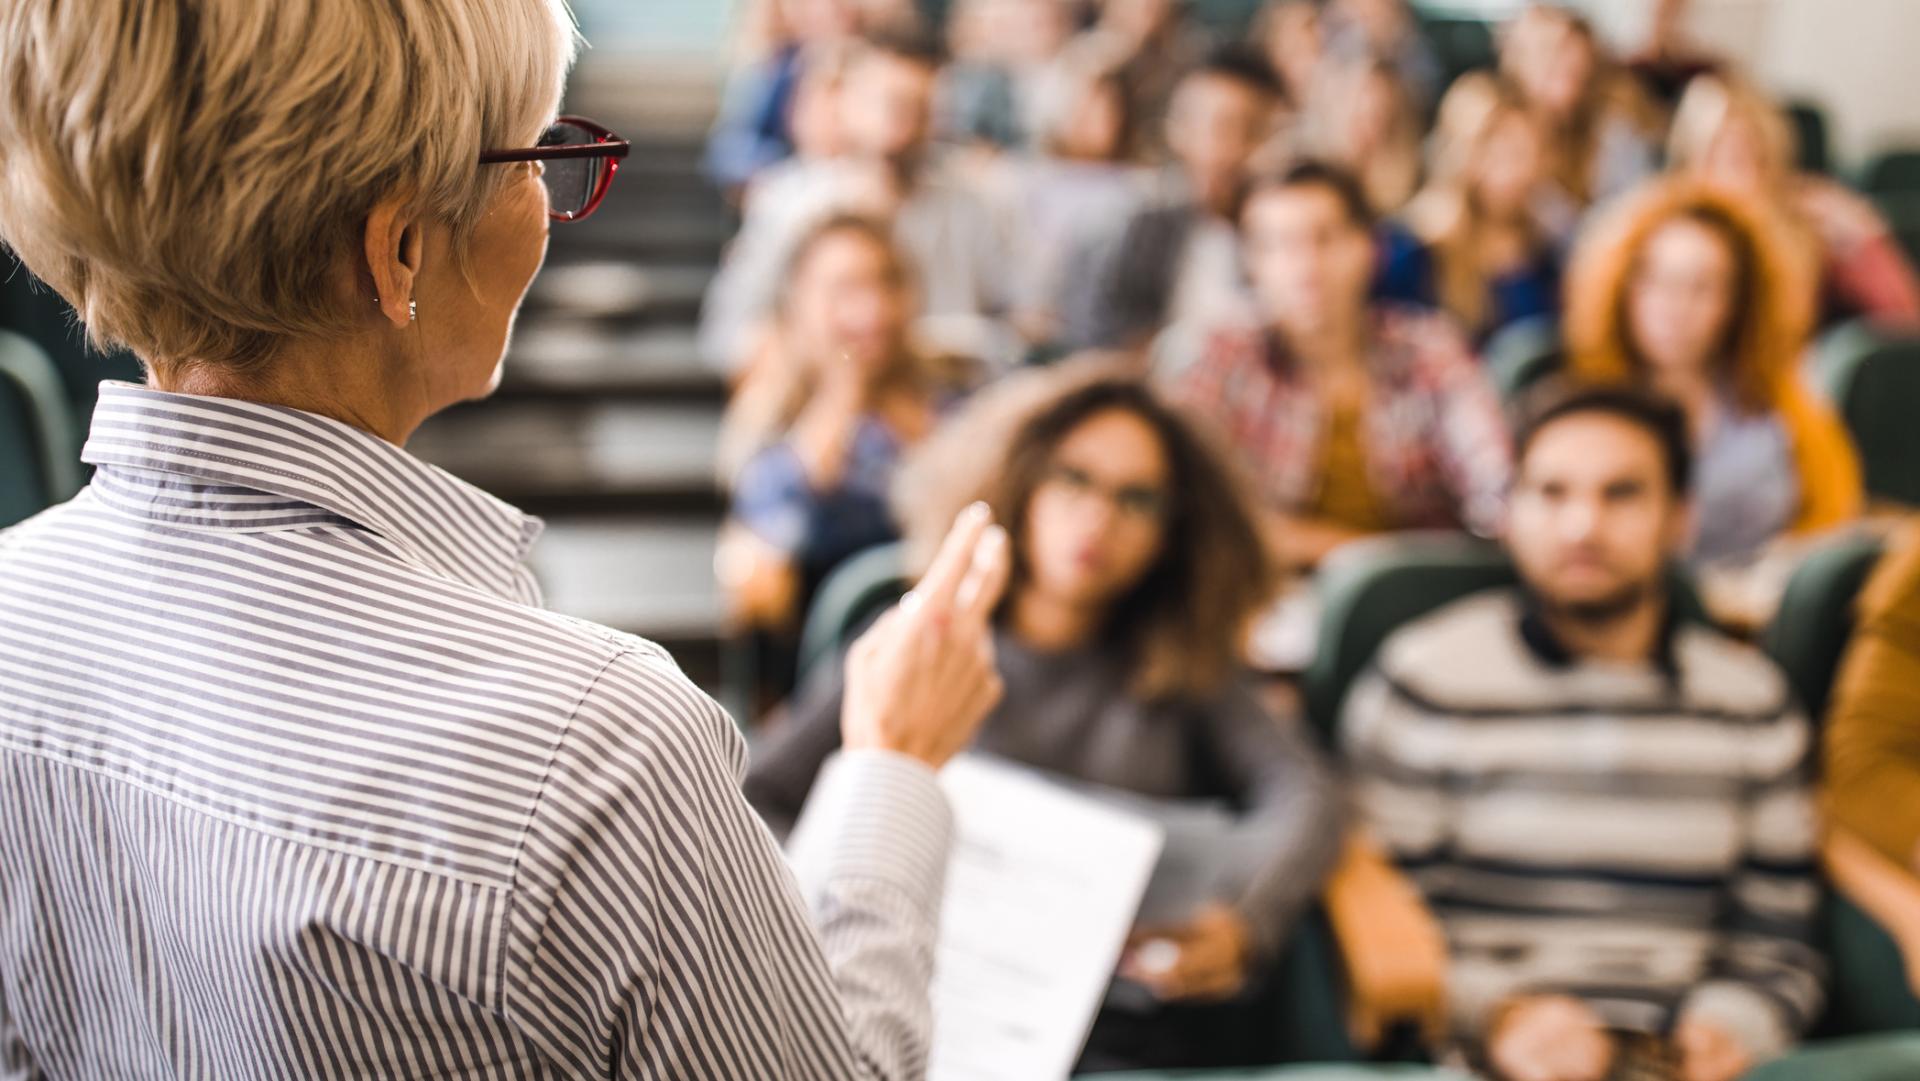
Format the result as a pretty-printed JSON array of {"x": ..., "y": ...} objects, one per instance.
[{"x": 1071, "y": 714}]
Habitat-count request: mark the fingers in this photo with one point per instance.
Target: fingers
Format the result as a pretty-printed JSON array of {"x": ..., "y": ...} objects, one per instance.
[
  {"x": 986, "y": 579},
  {"x": 938, "y": 589}
]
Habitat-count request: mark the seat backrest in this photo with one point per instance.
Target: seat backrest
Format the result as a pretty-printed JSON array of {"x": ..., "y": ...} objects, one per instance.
[
  {"x": 1372, "y": 588},
  {"x": 39, "y": 455},
  {"x": 1522, "y": 353},
  {"x": 23, "y": 484},
  {"x": 1815, "y": 619},
  {"x": 1809, "y": 122},
  {"x": 1872, "y": 376},
  {"x": 1893, "y": 171},
  {"x": 851, "y": 596}
]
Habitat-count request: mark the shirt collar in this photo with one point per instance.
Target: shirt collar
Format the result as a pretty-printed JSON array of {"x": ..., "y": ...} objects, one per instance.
[
  {"x": 1554, "y": 653},
  {"x": 229, "y": 452}
]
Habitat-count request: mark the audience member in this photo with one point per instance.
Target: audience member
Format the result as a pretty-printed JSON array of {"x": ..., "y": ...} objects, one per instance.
[
  {"x": 1175, "y": 259},
  {"x": 1153, "y": 44},
  {"x": 1071, "y": 189},
  {"x": 1482, "y": 253},
  {"x": 754, "y": 128},
  {"x": 1873, "y": 726},
  {"x": 1388, "y": 30},
  {"x": 1669, "y": 59},
  {"x": 1598, "y": 143},
  {"x": 1605, "y": 802},
  {"x": 1137, "y": 567},
  {"x": 1291, "y": 34},
  {"x": 1729, "y": 133},
  {"x": 1360, "y": 117},
  {"x": 1357, "y": 418},
  {"x": 1685, "y": 288},
  {"x": 955, "y": 245},
  {"x": 810, "y": 443},
  {"x": 1001, "y": 50}
]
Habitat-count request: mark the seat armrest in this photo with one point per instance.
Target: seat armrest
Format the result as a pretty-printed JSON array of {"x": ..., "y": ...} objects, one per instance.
[
  {"x": 1390, "y": 944},
  {"x": 1879, "y": 887}
]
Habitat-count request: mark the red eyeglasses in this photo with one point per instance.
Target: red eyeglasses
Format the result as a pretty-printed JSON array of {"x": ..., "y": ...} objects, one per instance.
[{"x": 580, "y": 158}]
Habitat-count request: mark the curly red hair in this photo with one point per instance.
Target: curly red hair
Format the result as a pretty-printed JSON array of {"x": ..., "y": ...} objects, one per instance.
[{"x": 1774, "y": 301}]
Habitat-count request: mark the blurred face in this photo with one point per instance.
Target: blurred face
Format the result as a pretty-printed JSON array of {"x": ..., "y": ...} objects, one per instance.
[
  {"x": 886, "y": 107},
  {"x": 815, "y": 22},
  {"x": 816, "y": 117},
  {"x": 847, "y": 304},
  {"x": 1551, "y": 61},
  {"x": 1096, "y": 522},
  {"x": 1293, "y": 47},
  {"x": 1510, "y": 165},
  {"x": 1371, "y": 115},
  {"x": 1138, "y": 20},
  {"x": 1737, "y": 157},
  {"x": 1028, "y": 31},
  {"x": 1311, "y": 264},
  {"x": 467, "y": 319},
  {"x": 1681, "y": 297},
  {"x": 1091, "y": 131},
  {"x": 1593, "y": 519},
  {"x": 1214, "y": 126},
  {"x": 1382, "y": 21}
]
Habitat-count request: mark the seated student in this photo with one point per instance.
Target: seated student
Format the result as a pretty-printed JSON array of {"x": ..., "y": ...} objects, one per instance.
[
  {"x": 1482, "y": 252},
  {"x": 754, "y": 128},
  {"x": 1599, "y": 142},
  {"x": 949, "y": 233},
  {"x": 1686, "y": 289},
  {"x": 1727, "y": 132},
  {"x": 1360, "y": 116},
  {"x": 1872, "y": 762},
  {"x": 1136, "y": 568},
  {"x": 811, "y": 440},
  {"x": 1175, "y": 259},
  {"x": 1075, "y": 183},
  {"x": 1357, "y": 418},
  {"x": 1391, "y": 31},
  {"x": 1606, "y": 805}
]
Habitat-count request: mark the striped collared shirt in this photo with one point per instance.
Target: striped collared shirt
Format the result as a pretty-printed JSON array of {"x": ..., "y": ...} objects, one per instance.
[{"x": 298, "y": 780}]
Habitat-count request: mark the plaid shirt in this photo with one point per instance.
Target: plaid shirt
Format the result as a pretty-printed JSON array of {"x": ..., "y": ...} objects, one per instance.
[{"x": 1437, "y": 448}]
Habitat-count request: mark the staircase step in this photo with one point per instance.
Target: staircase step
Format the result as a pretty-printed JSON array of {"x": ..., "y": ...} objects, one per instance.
[
  {"x": 571, "y": 357},
  {"x": 542, "y": 453},
  {"x": 648, "y": 576},
  {"x": 618, "y": 289}
]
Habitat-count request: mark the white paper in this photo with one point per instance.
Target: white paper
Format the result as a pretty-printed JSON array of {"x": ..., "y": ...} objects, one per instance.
[{"x": 1041, "y": 893}]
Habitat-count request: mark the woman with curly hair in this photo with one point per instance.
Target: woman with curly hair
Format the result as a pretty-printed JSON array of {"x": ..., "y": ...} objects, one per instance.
[
  {"x": 1686, "y": 288},
  {"x": 1137, "y": 564}
]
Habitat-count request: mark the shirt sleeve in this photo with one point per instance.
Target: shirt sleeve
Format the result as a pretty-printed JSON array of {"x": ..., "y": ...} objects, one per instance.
[
  {"x": 1873, "y": 733},
  {"x": 657, "y": 931},
  {"x": 1764, "y": 984},
  {"x": 1290, "y": 814}
]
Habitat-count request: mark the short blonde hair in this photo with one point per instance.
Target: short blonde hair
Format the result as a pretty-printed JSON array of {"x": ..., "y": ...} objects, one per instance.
[{"x": 189, "y": 173}]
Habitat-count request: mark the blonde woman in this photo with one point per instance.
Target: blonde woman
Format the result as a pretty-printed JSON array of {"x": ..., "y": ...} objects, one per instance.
[
  {"x": 1488, "y": 259},
  {"x": 1731, "y": 134},
  {"x": 1598, "y": 124},
  {"x": 1361, "y": 117},
  {"x": 299, "y": 778},
  {"x": 810, "y": 443}
]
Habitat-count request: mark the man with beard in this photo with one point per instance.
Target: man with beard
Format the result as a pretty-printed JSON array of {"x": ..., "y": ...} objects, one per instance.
[{"x": 1605, "y": 803}]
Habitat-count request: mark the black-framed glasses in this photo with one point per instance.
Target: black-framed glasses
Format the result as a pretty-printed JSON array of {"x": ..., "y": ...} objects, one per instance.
[{"x": 580, "y": 158}]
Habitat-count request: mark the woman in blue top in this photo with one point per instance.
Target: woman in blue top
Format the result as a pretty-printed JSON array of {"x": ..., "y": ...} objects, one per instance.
[{"x": 1478, "y": 242}]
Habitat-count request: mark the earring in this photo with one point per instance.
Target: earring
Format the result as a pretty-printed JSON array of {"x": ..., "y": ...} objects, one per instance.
[{"x": 413, "y": 311}]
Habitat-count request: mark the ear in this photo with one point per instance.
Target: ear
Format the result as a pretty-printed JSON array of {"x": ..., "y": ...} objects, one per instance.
[{"x": 394, "y": 248}]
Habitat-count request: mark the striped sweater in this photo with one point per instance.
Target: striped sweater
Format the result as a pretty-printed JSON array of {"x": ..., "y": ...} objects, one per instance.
[{"x": 1637, "y": 835}]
